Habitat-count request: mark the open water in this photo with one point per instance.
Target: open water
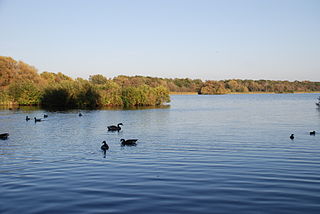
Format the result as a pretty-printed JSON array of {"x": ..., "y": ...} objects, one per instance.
[{"x": 203, "y": 154}]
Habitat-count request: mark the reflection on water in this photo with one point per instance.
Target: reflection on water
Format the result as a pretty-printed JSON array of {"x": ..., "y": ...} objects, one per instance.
[
  {"x": 17, "y": 108},
  {"x": 135, "y": 107},
  {"x": 104, "y": 152},
  {"x": 203, "y": 154}
]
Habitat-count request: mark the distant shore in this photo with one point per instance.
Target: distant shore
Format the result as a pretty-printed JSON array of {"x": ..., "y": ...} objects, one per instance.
[
  {"x": 21, "y": 84},
  {"x": 298, "y": 92},
  {"x": 190, "y": 93},
  {"x": 183, "y": 93}
]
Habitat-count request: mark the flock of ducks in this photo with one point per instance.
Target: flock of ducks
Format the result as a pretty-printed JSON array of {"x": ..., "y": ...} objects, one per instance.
[
  {"x": 36, "y": 119},
  {"x": 128, "y": 142},
  {"x": 104, "y": 147}
]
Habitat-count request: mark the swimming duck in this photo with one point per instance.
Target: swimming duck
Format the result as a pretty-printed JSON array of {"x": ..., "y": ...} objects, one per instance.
[
  {"x": 291, "y": 136},
  {"x": 37, "y": 120},
  {"x": 129, "y": 142},
  {"x": 105, "y": 146},
  {"x": 27, "y": 118},
  {"x": 115, "y": 128},
  {"x": 45, "y": 116},
  {"x": 80, "y": 115},
  {"x": 4, "y": 136},
  {"x": 313, "y": 133}
]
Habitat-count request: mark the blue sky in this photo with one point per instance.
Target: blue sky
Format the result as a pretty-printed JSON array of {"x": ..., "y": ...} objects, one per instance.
[{"x": 207, "y": 39}]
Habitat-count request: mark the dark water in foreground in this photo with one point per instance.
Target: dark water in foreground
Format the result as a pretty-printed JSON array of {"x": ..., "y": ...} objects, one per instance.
[{"x": 204, "y": 154}]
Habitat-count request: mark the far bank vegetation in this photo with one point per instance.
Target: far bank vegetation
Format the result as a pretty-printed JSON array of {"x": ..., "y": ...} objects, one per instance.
[{"x": 21, "y": 84}]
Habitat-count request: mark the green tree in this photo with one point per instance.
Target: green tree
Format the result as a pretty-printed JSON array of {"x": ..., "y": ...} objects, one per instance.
[
  {"x": 25, "y": 93},
  {"x": 86, "y": 94},
  {"x": 98, "y": 79},
  {"x": 57, "y": 97},
  {"x": 162, "y": 95},
  {"x": 111, "y": 94}
]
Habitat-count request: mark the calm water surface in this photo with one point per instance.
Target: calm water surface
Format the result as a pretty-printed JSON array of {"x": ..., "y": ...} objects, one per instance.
[{"x": 203, "y": 154}]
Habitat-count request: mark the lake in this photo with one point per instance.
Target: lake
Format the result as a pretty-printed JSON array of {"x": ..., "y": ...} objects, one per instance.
[{"x": 203, "y": 154}]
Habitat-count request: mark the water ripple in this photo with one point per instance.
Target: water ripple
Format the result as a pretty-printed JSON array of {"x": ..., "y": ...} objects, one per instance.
[{"x": 202, "y": 155}]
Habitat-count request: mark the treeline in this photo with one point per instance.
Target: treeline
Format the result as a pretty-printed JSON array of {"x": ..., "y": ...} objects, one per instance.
[
  {"x": 220, "y": 87},
  {"x": 21, "y": 84},
  {"x": 267, "y": 86}
]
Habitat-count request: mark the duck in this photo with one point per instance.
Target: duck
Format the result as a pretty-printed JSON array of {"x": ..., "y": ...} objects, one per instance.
[
  {"x": 80, "y": 115},
  {"x": 292, "y": 136},
  {"x": 313, "y": 133},
  {"x": 115, "y": 128},
  {"x": 45, "y": 116},
  {"x": 37, "y": 120},
  {"x": 4, "y": 136},
  {"x": 129, "y": 142},
  {"x": 105, "y": 146},
  {"x": 28, "y": 118}
]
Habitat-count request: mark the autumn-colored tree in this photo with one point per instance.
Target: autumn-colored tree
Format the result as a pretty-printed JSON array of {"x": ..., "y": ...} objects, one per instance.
[
  {"x": 13, "y": 71},
  {"x": 213, "y": 87}
]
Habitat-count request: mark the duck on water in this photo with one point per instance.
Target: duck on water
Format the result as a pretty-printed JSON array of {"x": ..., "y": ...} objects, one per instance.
[
  {"x": 292, "y": 136},
  {"x": 4, "y": 136},
  {"x": 37, "y": 120},
  {"x": 105, "y": 146},
  {"x": 129, "y": 142},
  {"x": 115, "y": 128}
]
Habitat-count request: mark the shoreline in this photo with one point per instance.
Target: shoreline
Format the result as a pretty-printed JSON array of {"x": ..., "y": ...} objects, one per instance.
[
  {"x": 297, "y": 92},
  {"x": 183, "y": 93},
  {"x": 188, "y": 93}
]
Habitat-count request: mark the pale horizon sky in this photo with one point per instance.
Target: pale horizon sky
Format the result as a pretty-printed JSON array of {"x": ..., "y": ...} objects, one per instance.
[{"x": 206, "y": 39}]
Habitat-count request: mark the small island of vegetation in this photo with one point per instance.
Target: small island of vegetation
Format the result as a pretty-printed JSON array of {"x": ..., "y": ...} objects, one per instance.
[{"x": 21, "y": 84}]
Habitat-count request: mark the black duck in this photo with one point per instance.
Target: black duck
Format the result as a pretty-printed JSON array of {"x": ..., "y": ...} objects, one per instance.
[
  {"x": 4, "y": 136},
  {"x": 129, "y": 142},
  {"x": 115, "y": 128},
  {"x": 105, "y": 146},
  {"x": 37, "y": 120}
]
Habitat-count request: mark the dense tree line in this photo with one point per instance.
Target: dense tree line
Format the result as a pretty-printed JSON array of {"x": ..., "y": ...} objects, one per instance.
[
  {"x": 214, "y": 87},
  {"x": 266, "y": 86},
  {"x": 21, "y": 84}
]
